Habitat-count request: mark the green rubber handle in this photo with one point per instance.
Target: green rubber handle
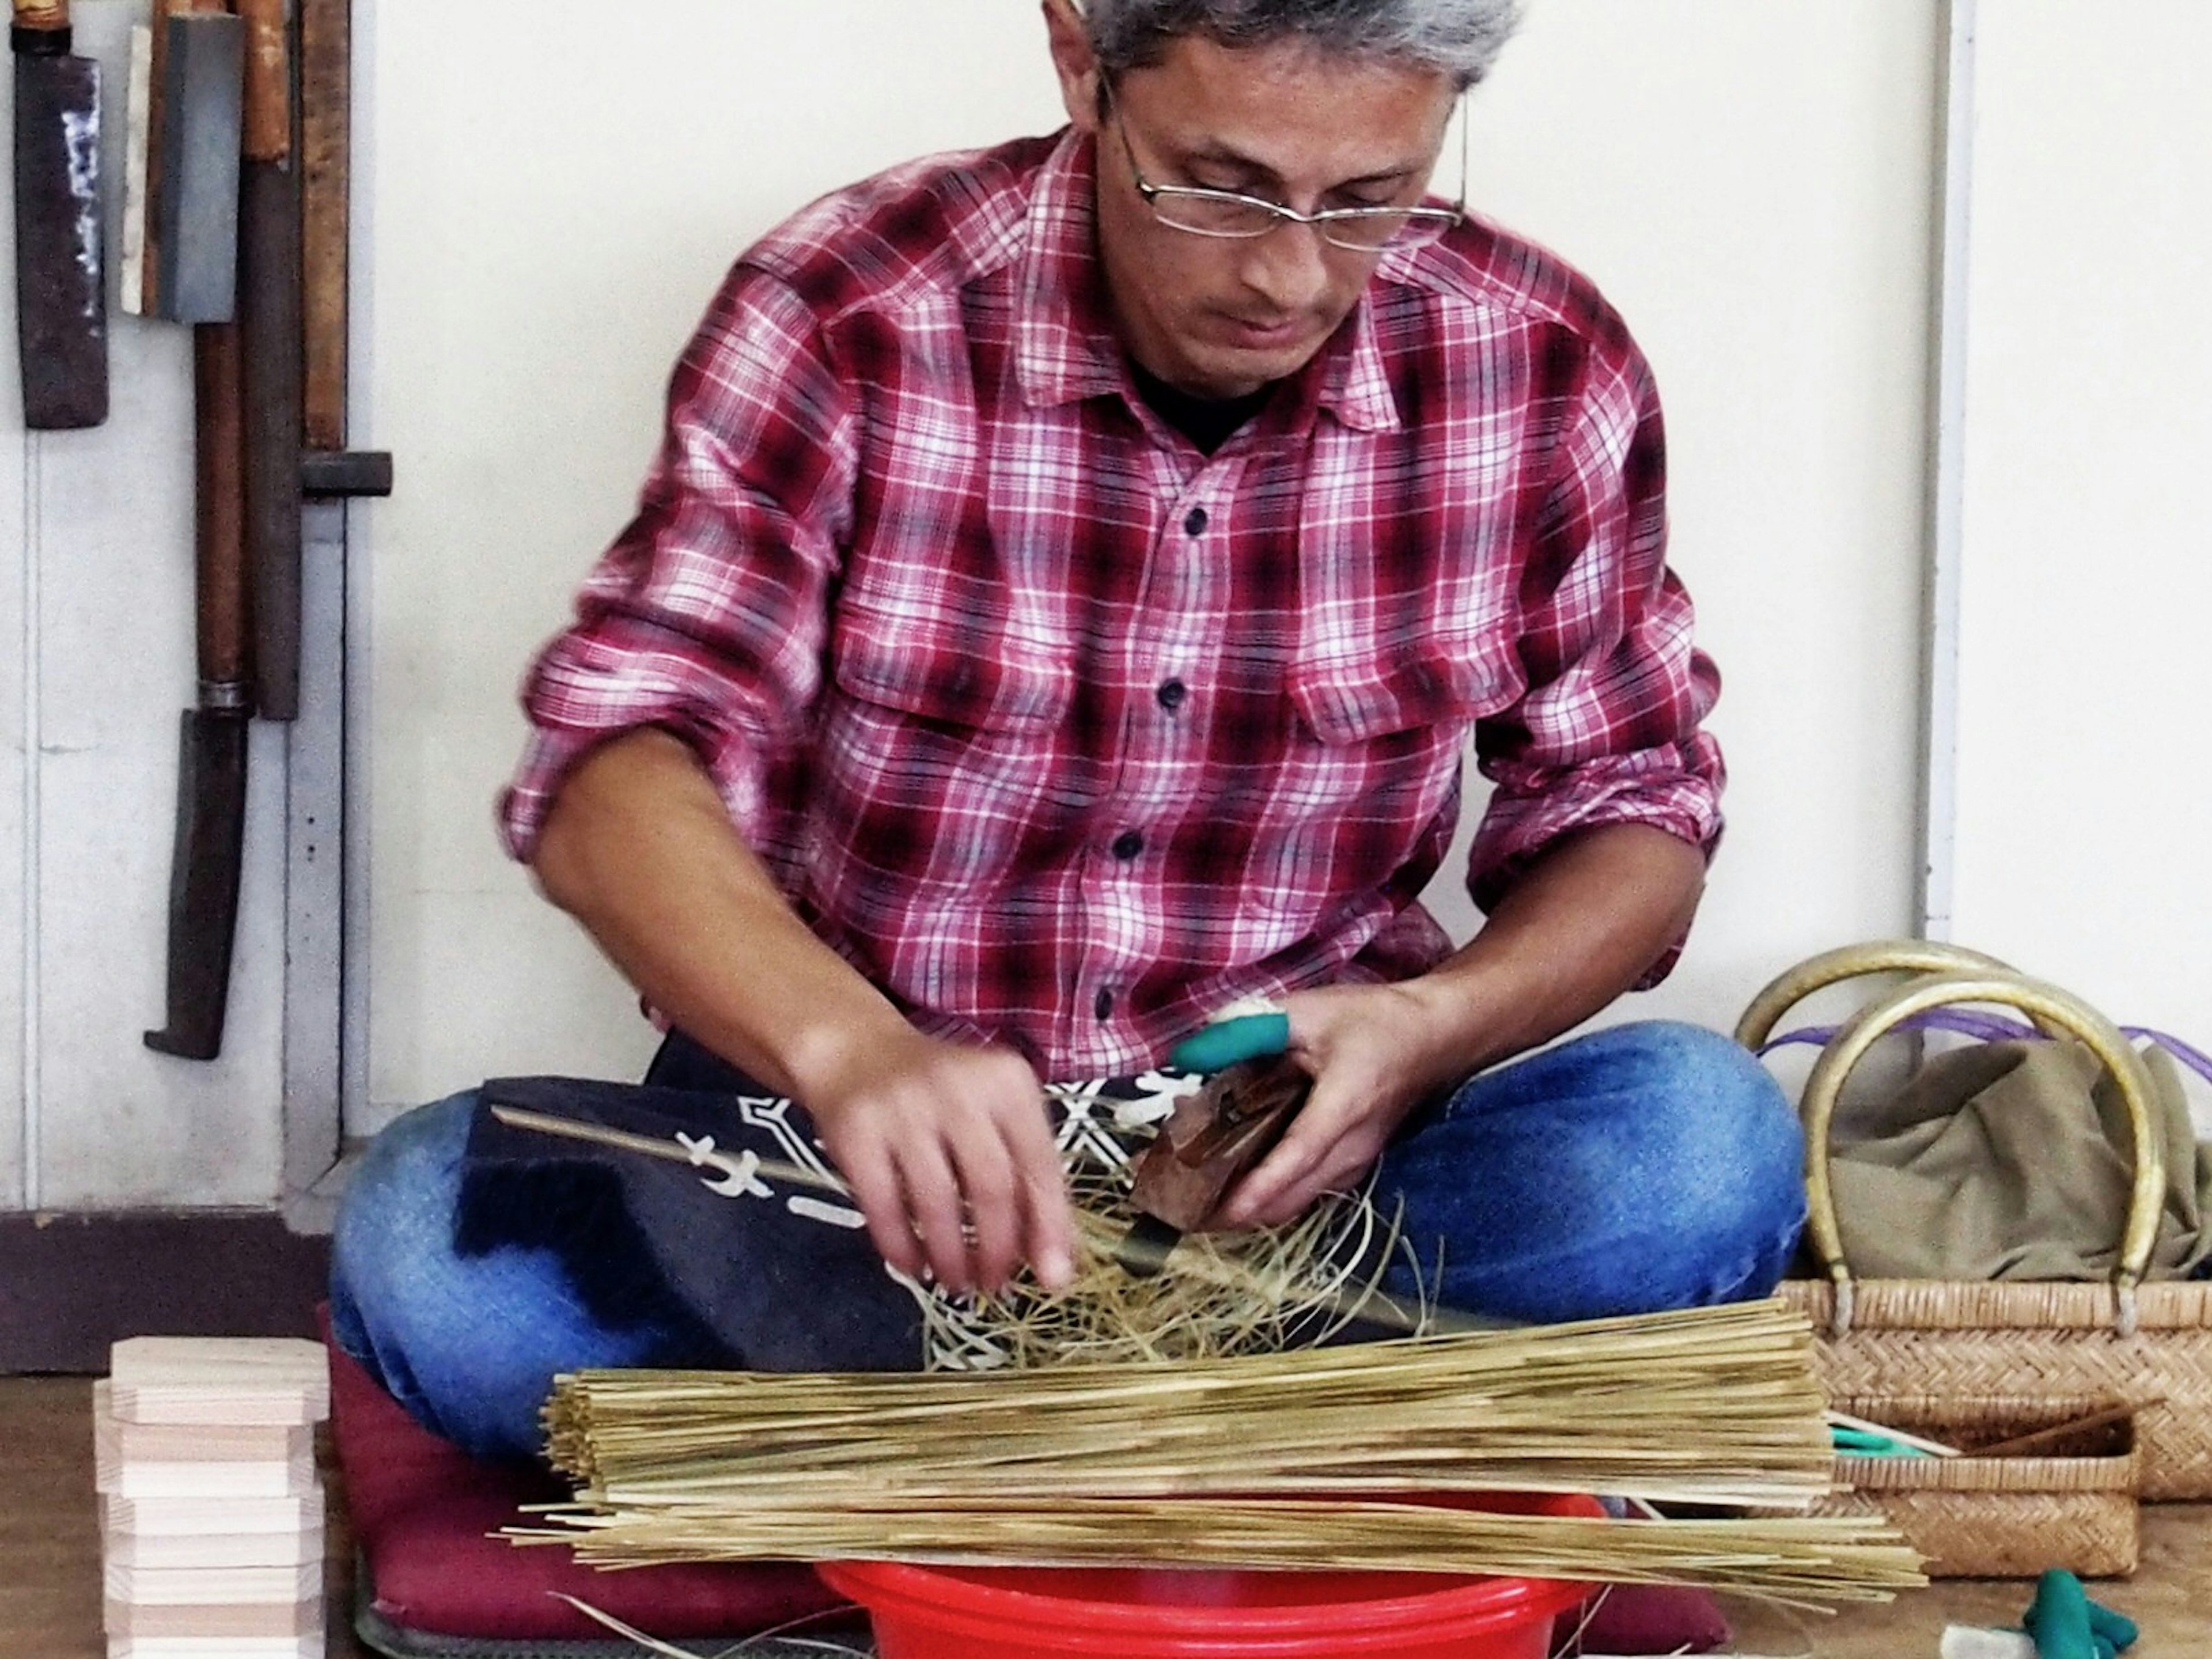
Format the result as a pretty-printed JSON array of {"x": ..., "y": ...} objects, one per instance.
[
  {"x": 1248, "y": 1036},
  {"x": 2058, "y": 1619},
  {"x": 2114, "y": 1627}
]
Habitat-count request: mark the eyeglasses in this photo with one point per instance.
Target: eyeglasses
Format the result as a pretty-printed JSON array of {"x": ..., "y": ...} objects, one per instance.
[{"x": 1231, "y": 215}]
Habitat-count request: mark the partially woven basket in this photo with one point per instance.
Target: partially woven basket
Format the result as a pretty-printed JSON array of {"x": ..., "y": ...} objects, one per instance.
[
  {"x": 1959, "y": 1341},
  {"x": 2071, "y": 1506}
]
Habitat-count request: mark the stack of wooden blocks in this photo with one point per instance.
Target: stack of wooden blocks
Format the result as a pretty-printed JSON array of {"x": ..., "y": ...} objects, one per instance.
[{"x": 211, "y": 1512}]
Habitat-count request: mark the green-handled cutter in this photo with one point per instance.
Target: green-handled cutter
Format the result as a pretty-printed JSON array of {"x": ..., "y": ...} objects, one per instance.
[{"x": 1216, "y": 1136}]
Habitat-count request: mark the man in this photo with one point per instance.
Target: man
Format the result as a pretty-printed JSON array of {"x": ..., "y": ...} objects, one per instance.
[{"x": 1069, "y": 581}]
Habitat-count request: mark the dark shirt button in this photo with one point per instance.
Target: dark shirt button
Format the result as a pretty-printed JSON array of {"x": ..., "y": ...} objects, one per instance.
[
  {"x": 1127, "y": 845},
  {"x": 1194, "y": 522},
  {"x": 1172, "y": 694},
  {"x": 1104, "y": 1003}
]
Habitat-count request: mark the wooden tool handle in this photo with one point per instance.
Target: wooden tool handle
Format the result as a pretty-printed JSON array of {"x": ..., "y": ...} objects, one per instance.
[
  {"x": 219, "y": 459},
  {"x": 2041, "y": 1440},
  {"x": 43, "y": 17},
  {"x": 326, "y": 158},
  {"x": 1215, "y": 1138},
  {"x": 268, "y": 81},
  {"x": 269, "y": 331}
]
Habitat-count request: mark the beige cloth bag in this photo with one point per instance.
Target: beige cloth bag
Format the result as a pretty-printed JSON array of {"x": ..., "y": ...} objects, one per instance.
[{"x": 2015, "y": 1160}]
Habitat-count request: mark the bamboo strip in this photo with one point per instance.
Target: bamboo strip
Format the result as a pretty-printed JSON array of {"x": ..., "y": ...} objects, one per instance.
[{"x": 1840, "y": 1559}]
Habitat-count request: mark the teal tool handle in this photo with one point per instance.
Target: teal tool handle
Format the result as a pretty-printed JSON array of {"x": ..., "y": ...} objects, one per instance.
[
  {"x": 1858, "y": 1443},
  {"x": 2058, "y": 1618},
  {"x": 1248, "y": 1036}
]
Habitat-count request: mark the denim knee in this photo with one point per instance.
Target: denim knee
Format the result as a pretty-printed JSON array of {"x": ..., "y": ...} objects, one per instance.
[
  {"x": 1722, "y": 1149},
  {"x": 1645, "y": 1167},
  {"x": 397, "y": 1212},
  {"x": 469, "y": 1345}
]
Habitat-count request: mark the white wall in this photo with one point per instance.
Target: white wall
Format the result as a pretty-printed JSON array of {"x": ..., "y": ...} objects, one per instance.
[
  {"x": 2085, "y": 794},
  {"x": 15, "y": 679},
  {"x": 552, "y": 208},
  {"x": 1751, "y": 184},
  {"x": 545, "y": 211}
]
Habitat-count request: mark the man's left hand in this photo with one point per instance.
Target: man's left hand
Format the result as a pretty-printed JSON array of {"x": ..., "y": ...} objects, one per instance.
[{"x": 1373, "y": 1054}]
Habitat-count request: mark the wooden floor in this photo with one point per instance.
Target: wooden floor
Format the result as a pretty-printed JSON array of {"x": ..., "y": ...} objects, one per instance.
[{"x": 50, "y": 1563}]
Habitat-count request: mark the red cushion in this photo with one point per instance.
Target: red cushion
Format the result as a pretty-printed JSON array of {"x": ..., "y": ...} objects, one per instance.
[
  {"x": 1647, "y": 1619},
  {"x": 422, "y": 1511}
]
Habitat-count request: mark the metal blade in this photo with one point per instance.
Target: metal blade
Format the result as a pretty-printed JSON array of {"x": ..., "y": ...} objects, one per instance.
[
  {"x": 1143, "y": 1250},
  {"x": 61, "y": 294},
  {"x": 201, "y": 109},
  {"x": 203, "y": 882}
]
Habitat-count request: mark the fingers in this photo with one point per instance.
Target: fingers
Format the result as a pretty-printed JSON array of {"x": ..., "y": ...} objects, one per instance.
[
  {"x": 1009, "y": 1170},
  {"x": 953, "y": 1164},
  {"x": 934, "y": 1211},
  {"x": 1330, "y": 1144},
  {"x": 1313, "y": 1156},
  {"x": 1047, "y": 1217},
  {"x": 877, "y": 1189},
  {"x": 1363, "y": 1046}
]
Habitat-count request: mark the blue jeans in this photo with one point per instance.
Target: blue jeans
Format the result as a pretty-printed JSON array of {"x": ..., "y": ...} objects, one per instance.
[{"x": 1642, "y": 1168}]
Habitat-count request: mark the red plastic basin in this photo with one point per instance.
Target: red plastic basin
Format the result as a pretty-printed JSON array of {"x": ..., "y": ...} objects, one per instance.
[{"x": 1178, "y": 1612}]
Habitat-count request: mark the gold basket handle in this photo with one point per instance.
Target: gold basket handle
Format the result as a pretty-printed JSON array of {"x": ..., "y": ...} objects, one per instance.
[
  {"x": 1916, "y": 956},
  {"x": 2051, "y": 1009}
]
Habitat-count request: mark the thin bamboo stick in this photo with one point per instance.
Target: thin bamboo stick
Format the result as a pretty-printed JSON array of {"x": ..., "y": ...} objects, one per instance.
[{"x": 1823, "y": 1559}]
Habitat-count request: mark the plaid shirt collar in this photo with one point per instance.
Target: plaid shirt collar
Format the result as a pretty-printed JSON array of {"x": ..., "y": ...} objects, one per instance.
[{"x": 1064, "y": 346}]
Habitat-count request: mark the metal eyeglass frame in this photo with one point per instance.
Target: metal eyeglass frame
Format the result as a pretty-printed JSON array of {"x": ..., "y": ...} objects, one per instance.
[{"x": 1441, "y": 219}]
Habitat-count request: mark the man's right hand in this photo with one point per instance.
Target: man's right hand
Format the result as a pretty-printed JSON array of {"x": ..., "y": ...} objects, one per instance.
[{"x": 950, "y": 1154}]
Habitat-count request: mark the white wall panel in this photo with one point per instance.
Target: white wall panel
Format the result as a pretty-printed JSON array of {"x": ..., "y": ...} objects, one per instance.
[
  {"x": 2085, "y": 795},
  {"x": 16, "y": 463},
  {"x": 553, "y": 207},
  {"x": 1751, "y": 184}
]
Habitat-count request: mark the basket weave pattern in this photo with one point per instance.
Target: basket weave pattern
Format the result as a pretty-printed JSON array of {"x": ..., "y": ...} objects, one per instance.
[
  {"x": 2001, "y": 1517},
  {"x": 1978, "y": 1340},
  {"x": 2007, "y": 1535}
]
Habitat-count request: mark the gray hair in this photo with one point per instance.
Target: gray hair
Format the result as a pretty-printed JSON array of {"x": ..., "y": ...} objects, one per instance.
[{"x": 1460, "y": 39}]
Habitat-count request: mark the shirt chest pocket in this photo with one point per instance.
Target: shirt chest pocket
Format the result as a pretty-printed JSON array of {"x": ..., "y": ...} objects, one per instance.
[
  {"x": 966, "y": 669},
  {"x": 934, "y": 756},
  {"x": 1435, "y": 680},
  {"x": 1366, "y": 787}
]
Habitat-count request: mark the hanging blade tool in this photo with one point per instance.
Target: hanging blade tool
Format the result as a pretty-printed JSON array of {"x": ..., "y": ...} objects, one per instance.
[
  {"x": 271, "y": 329},
  {"x": 181, "y": 214},
  {"x": 61, "y": 294},
  {"x": 204, "y": 878}
]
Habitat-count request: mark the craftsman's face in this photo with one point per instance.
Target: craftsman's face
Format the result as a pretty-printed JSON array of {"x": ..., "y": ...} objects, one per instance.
[{"x": 1282, "y": 121}]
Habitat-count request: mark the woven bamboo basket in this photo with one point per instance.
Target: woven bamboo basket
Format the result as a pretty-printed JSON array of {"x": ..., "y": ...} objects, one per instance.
[
  {"x": 2072, "y": 1505},
  {"x": 2146, "y": 1345}
]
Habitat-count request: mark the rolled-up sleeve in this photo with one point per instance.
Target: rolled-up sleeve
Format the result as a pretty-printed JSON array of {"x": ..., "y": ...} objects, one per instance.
[
  {"x": 1610, "y": 728},
  {"x": 705, "y": 617}
]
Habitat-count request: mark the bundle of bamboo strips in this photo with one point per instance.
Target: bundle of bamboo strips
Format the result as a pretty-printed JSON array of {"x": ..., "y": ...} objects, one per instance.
[
  {"x": 1273, "y": 1460},
  {"x": 1805, "y": 1561}
]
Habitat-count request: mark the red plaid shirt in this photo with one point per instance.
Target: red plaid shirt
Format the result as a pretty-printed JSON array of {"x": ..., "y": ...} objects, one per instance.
[{"x": 1066, "y": 733}]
